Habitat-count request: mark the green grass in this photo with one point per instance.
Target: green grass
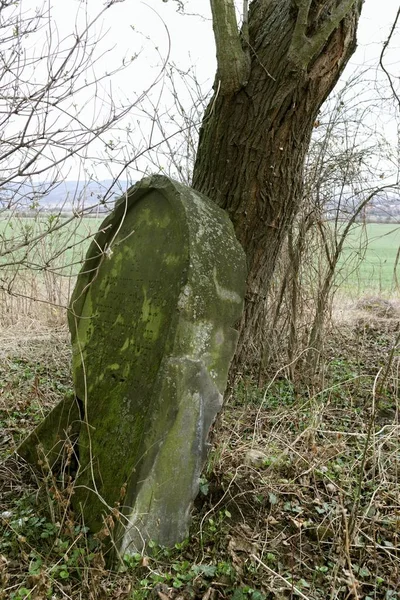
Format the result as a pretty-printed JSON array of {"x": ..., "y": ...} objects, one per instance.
[
  {"x": 62, "y": 249},
  {"x": 367, "y": 264},
  {"x": 369, "y": 258}
]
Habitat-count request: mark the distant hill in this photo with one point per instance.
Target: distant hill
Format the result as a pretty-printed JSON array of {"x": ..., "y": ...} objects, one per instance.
[
  {"x": 66, "y": 196},
  {"x": 382, "y": 208},
  {"x": 69, "y": 196}
]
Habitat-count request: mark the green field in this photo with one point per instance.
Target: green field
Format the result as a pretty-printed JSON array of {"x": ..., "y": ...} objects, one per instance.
[
  {"x": 368, "y": 262},
  {"x": 367, "y": 265},
  {"x": 62, "y": 250}
]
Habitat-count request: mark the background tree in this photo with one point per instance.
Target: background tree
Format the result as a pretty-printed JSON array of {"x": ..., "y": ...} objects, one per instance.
[
  {"x": 59, "y": 114},
  {"x": 273, "y": 75}
]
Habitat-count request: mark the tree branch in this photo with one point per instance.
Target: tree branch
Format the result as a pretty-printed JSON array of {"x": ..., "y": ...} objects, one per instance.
[
  {"x": 245, "y": 25},
  {"x": 233, "y": 64},
  {"x": 303, "y": 48},
  {"x": 384, "y": 48}
]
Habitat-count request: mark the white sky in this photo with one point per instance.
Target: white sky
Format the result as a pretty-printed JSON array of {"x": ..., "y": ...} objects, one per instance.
[
  {"x": 153, "y": 27},
  {"x": 192, "y": 39}
]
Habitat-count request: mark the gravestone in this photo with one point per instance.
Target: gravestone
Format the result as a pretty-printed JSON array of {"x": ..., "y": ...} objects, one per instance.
[{"x": 152, "y": 324}]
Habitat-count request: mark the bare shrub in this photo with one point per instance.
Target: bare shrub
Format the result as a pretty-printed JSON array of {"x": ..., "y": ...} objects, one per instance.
[{"x": 349, "y": 166}]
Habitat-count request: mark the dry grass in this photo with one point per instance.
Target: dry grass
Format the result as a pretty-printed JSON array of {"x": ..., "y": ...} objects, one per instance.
[
  {"x": 34, "y": 301},
  {"x": 300, "y": 497},
  {"x": 315, "y": 490}
]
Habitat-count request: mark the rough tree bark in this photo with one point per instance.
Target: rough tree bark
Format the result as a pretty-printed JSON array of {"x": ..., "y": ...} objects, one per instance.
[{"x": 272, "y": 78}]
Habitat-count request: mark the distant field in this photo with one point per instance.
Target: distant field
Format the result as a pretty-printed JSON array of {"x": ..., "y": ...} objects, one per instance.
[
  {"x": 369, "y": 259},
  {"x": 367, "y": 264},
  {"x": 62, "y": 250}
]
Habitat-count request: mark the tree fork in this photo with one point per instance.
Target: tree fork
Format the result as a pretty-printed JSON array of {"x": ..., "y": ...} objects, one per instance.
[{"x": 257, "y": 127}]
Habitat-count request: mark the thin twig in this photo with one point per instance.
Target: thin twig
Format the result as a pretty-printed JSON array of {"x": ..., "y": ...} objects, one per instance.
[{"x": 286, "y": 581}]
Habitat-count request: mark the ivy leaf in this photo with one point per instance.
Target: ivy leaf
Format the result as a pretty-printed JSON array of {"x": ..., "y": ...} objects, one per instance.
[{"x": 206, "y": 570}]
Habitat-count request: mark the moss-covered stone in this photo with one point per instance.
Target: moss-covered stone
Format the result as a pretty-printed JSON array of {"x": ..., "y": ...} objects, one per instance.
[
  {"x": 151, "y": 321},
  {"x": 54, "y": 440}
]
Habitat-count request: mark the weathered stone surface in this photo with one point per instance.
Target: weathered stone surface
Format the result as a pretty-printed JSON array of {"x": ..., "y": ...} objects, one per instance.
[
  {"x": 151, "y": 320},
  {"x": 54, "y": 440}
]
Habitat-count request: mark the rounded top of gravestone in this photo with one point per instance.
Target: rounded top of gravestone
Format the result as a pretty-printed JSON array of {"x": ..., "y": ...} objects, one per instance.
[{"x": 209, "y": 247}]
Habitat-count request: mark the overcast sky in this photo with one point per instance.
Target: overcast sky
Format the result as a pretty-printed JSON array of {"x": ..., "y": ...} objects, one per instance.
[
  {"x": 154, "y": 28},
  {"x": 192, "y": 39}
]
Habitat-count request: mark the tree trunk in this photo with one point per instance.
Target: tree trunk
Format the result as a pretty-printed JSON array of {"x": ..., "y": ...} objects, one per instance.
[{"x": 257, "y": 127}]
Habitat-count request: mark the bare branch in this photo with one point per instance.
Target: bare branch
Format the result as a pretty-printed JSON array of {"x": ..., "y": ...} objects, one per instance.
[
  {"x": 245, "y": 25},
  {"x": 233, "y": 63},
  {"x": 384, "y": 48}
]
